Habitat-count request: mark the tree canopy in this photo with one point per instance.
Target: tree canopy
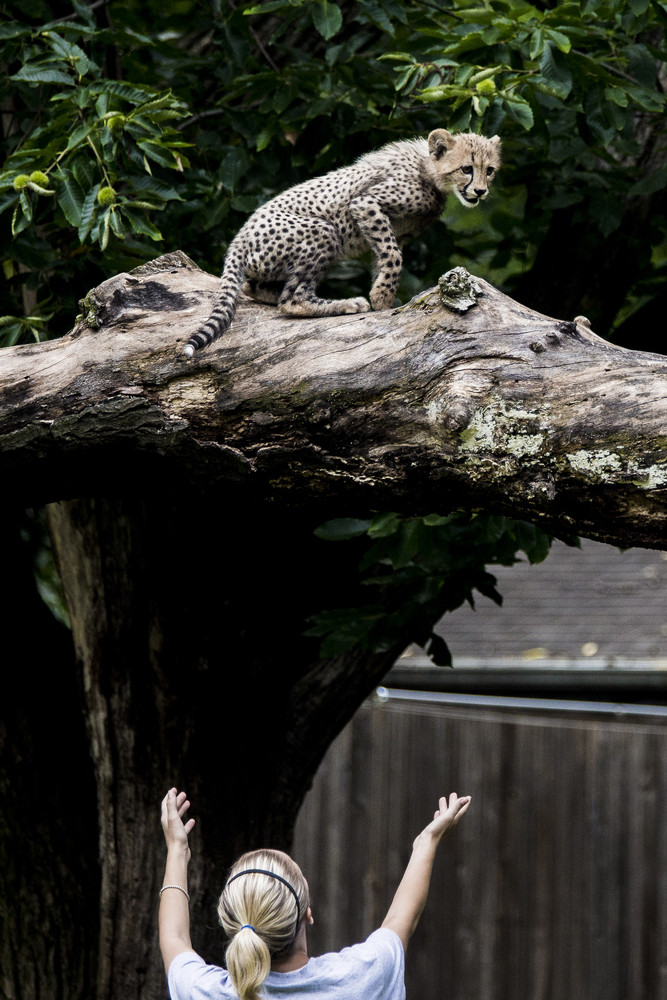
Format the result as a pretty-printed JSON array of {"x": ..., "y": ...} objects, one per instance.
[{"x": 136, "y": 128}]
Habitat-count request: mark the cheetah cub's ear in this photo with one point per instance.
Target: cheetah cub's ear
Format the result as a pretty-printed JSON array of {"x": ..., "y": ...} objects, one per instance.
[{"x": 440, "y": 141}]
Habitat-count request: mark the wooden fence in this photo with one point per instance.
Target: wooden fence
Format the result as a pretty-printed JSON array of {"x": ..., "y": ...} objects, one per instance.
[{"x": 553, "y": 887}]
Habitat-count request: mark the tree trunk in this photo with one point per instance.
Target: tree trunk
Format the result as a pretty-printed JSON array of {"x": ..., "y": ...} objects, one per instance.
[
  {"x": 461, "y": 399},
  {"x": 48, "y": 853},
  {"x": 196, "y": 673}
]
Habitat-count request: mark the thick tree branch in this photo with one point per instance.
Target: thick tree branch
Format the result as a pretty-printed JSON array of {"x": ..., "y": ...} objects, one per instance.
[{"x": 422, "y": 408}]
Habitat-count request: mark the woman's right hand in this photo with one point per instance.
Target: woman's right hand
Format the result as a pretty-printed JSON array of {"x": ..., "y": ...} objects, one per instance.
[{"x": 174, "y": 806}]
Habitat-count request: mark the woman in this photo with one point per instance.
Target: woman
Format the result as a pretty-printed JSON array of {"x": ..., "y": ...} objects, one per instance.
[{"x": 264, "y": 910}]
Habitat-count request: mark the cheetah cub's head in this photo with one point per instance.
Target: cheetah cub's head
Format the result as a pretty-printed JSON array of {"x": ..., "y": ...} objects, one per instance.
[{"x": 465, "y": 163}]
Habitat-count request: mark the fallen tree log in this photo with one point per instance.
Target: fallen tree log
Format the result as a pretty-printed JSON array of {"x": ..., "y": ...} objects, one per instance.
[{"x": 461, "y": 399}]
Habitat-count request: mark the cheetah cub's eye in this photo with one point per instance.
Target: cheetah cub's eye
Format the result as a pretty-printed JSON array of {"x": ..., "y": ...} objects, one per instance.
[
  {"x": 466, "y": 170},
  {"x": 490, "y": 171}
]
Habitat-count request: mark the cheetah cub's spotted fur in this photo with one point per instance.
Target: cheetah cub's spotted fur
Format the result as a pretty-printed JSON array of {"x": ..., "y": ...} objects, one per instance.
[{"x": 286, "y": 247}]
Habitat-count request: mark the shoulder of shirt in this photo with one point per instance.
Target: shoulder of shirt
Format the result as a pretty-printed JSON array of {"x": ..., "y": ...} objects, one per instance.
[
  {"x": 388, "y": 934},
  {"x": 186, "y": 956},
  {"x": 380, "y": 941}
]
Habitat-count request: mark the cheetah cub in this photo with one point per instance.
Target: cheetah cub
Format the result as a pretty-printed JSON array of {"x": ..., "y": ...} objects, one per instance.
[{"x": 286, "y": 247}]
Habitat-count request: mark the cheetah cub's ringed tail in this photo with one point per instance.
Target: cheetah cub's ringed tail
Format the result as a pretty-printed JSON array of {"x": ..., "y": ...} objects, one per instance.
[{"x": 287, "y": 246}]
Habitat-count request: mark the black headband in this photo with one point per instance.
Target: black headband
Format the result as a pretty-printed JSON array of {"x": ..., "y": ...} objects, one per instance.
[{"x": 263, "y": 871}]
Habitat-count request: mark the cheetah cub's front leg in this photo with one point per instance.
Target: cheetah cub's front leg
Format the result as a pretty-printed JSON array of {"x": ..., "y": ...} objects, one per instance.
[{"x": 376, "y": 227}]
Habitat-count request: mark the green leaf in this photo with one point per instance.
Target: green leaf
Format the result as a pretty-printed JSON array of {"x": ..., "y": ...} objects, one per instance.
[
  {"x": 157, "y": 152},
  {"x": 134, "y": 93},
  {"x": 140, "y": 225},
  {"x": 42, "y": 74},
  {"x": 408, "y": 540},
  {"x": 19, "y": 219},
  {"x": 88, "y": 212},
  {"x": 483, "y": 74},
  {"x": 327, "y": 18},
  {"x": 233, "y": 167},
  {"x": 478, "y": 15},
  {"x": 407, "y": 76},
  {"x": 264, "y": 138},
  {"x": 10, "y": 332},
  {"x": 105, "y": 229},
  {"x": 341, "y": 528},
  {"x": 436, "y": 520},
  {"x": 536, "y": 43},
  {"x": 153, "y": 187},
  {"x": 561, "y": 41},
  {"x": 117, "y": 222},
  {"x": 521, "y": 112},
  {"x": 647, "y": 99},
  {"x": 642, "y": 65},
  {"x": 13, "y": 29},
  {"x": 556, "y": 74},
  {"x": 70, "y": 196},
  {"x": 439, "y": 652},
  {"x": 69, "y": 51},
  {"x": 384, "y": 524},
  {"x": 377, "y": 15},
  {"x": 398, "y": 57},
  {"x": 650, "y": 183},
  {"x": 607, "y": 212},
  {"x": 267, "y": 8},
  {"x": 78, "y": 135},
  {"x": 531, "y": 540},
  {"x": 26, "y": 205}
]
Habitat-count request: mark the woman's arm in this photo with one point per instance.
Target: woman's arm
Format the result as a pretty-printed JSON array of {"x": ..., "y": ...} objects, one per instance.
[
  {"x": 174, "y": 919},
  {"x": 410, "y": 898}
]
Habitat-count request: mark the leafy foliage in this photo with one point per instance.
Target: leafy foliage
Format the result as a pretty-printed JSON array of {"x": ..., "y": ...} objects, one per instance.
[
  {"x": 416, "y": 569},
  {"x": 167, "y": 125}
]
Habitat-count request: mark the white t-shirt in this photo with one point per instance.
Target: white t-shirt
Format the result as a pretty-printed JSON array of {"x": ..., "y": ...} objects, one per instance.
[{"x": 374, "y": 970}]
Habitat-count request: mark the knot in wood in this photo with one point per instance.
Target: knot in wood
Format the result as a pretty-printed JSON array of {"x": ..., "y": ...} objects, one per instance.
[
  {"x": 458, "y": 289},
  {"x": 568, "y": 328}
]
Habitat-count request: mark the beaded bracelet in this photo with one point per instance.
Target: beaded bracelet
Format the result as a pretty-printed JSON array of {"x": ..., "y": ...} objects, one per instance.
[{"x": 175, "y": 887}]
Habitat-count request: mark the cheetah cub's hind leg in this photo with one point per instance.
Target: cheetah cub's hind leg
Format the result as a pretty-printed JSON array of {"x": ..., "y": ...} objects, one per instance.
[{"x": 319, "y": 250}]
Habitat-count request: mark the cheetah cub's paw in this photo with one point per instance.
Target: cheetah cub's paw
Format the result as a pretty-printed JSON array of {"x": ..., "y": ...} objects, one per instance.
[
  {"x": 324, "y": 307},
  {"x": 358, "y": 305}
]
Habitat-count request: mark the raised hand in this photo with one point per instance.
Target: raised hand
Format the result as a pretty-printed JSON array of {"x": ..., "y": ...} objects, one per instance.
[
  {"x": 446, "y": 815},
  {"x": 410, "y": 898},
  {"x": 174, "y": 806}
]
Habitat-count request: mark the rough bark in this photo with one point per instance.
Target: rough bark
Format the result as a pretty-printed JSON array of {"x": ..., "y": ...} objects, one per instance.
[
  {"x": 48, "y": 853},
  {"x": 424, "y": 408}
]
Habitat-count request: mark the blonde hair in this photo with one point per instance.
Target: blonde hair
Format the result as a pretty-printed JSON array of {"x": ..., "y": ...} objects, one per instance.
[{"x": 261, "y": 916}]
